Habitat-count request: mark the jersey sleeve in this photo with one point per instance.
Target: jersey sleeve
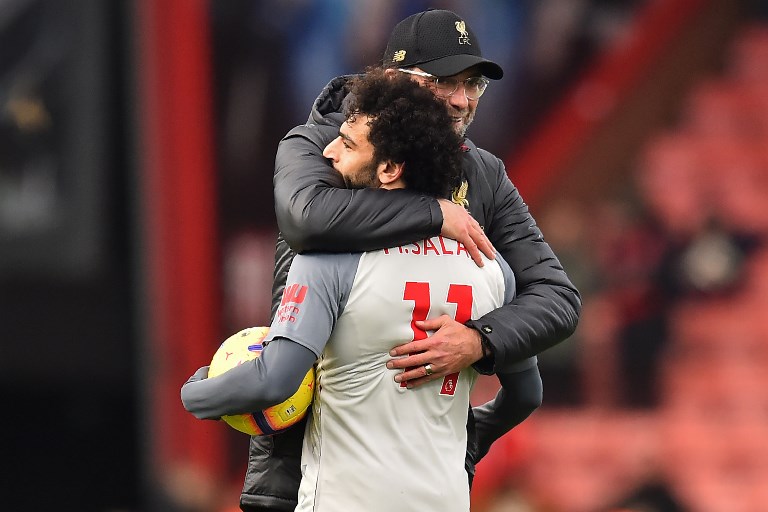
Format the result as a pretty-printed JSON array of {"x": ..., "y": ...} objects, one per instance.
[
  {"x": 315, "y": 294},
  {"x": 509, "y": 279},
  {"x": 251, "y": 386}
]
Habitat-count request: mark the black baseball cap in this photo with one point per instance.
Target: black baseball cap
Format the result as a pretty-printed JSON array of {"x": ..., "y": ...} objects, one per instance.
[{"x": 440, "y": 43}]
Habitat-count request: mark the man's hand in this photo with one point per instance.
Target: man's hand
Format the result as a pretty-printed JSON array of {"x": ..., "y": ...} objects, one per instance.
[
  {"x": 450, "y": 349},
  {"x": 200, "y": 374},
  {"x": 459, "y": 225}
]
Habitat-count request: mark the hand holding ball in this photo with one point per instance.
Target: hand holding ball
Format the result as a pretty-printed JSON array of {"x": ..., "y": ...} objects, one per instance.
[{"x": 246, "y": 345}]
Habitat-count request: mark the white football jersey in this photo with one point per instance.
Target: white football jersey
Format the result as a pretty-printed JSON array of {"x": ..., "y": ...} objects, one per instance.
[{"x": 372, "y": 444}]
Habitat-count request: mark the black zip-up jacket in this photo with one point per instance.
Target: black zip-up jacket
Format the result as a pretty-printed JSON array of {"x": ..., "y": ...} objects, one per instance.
[{"x": 315, "y": 212}]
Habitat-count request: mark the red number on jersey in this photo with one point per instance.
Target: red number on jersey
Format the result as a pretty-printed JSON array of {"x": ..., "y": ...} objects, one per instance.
[{"x": 459, "y": 294}]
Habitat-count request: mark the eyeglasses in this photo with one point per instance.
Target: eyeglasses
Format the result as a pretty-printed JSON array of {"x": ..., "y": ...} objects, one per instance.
[{"x": 474, "y": 86}]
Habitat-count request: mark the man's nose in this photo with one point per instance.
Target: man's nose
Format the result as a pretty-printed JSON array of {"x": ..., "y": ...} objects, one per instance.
[
  {"x": 328, "y": 152},
  {"x": 459, "y": 97}
]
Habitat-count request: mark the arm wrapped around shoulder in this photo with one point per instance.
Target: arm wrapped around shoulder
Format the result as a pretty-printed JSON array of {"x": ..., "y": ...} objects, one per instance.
[{"x": 316, "y": 212}]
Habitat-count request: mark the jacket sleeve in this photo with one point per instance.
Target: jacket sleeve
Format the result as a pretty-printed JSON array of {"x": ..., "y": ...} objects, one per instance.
[
  {"x": 546, "y": 308},
  {"x": 315, "y": 212},
  {"x": 520, "y": 394}
]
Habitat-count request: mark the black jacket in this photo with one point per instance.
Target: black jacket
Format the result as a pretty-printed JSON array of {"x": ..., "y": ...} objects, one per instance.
[{"x": 316, "y": 213}]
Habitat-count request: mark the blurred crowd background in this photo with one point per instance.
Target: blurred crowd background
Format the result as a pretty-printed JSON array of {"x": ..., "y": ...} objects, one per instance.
[{"x": 137, "y": 231}]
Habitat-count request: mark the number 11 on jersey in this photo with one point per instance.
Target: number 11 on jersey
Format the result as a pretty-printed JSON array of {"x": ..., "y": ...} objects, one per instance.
[{"x": 419, "y": 293}]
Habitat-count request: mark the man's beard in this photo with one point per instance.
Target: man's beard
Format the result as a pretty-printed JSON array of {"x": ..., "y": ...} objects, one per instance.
[
  {"x": 461, "y": 128},
  {"x": 365, "y": 177}
]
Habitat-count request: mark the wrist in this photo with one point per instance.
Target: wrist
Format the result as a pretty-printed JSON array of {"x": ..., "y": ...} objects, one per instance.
[
  {"x": 438, "y": 214},
  {"x": 486, "y": 347},
  {"x": 486, "y": 363}
]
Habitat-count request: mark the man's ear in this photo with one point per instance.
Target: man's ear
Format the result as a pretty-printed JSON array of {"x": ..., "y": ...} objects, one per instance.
[{"x": 389, "y": 172}]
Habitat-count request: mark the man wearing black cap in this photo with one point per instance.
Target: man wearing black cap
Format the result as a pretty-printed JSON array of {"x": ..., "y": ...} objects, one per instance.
[
  {"x": 439, "y": 42},
  {"x": 315, "y": 212},
  {"x": 440, "y": 49}
]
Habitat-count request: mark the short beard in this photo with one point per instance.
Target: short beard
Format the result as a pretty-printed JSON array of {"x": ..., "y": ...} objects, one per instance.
[
  {"x": 462, "y": 129},
  {"x": 365, "y": 177}
]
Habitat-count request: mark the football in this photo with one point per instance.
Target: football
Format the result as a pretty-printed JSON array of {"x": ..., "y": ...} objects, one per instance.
[{"x": 246, "y": 345}]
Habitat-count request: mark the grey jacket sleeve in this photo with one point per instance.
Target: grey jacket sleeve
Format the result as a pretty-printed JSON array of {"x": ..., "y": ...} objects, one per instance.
[
  {"x": 520, "y": 394},
  {"x": 252, "y": 386},
  {"x": 315, "y": 212}
]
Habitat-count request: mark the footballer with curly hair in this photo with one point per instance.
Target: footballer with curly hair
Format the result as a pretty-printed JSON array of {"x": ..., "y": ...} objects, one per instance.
[
  {"x": 371, "y": 442},
  {"x": 392, "y": 119}
]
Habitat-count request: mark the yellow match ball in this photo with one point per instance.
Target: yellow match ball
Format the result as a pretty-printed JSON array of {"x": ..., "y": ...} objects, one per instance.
[{"x": 246, "y": 345}]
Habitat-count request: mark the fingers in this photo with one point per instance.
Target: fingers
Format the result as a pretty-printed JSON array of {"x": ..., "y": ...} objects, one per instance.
[
  {"x": 414, "y": 351},
  {"x": 470, "y": 238},
  {"x": 411, "y": 361},
  {"x": 403, "y": 350},
  {"x": 200, "y": 374},
  {"x": 413, "y": 348},
  {"x": 433, "y": 324},
  {"x": 486, "y": 247},
  {"x": 414, "y": 377},
  {"x": 414, "y": 368},
  {"x": 479, "y": 243},
  {"x": 414, "y": 383},
  {"x": 475, "y": 254},
  {"x": 462, "y": 227}
]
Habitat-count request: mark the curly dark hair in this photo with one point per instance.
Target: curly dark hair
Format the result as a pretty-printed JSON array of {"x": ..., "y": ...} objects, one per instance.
[{"x": 410, "y": 125}]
